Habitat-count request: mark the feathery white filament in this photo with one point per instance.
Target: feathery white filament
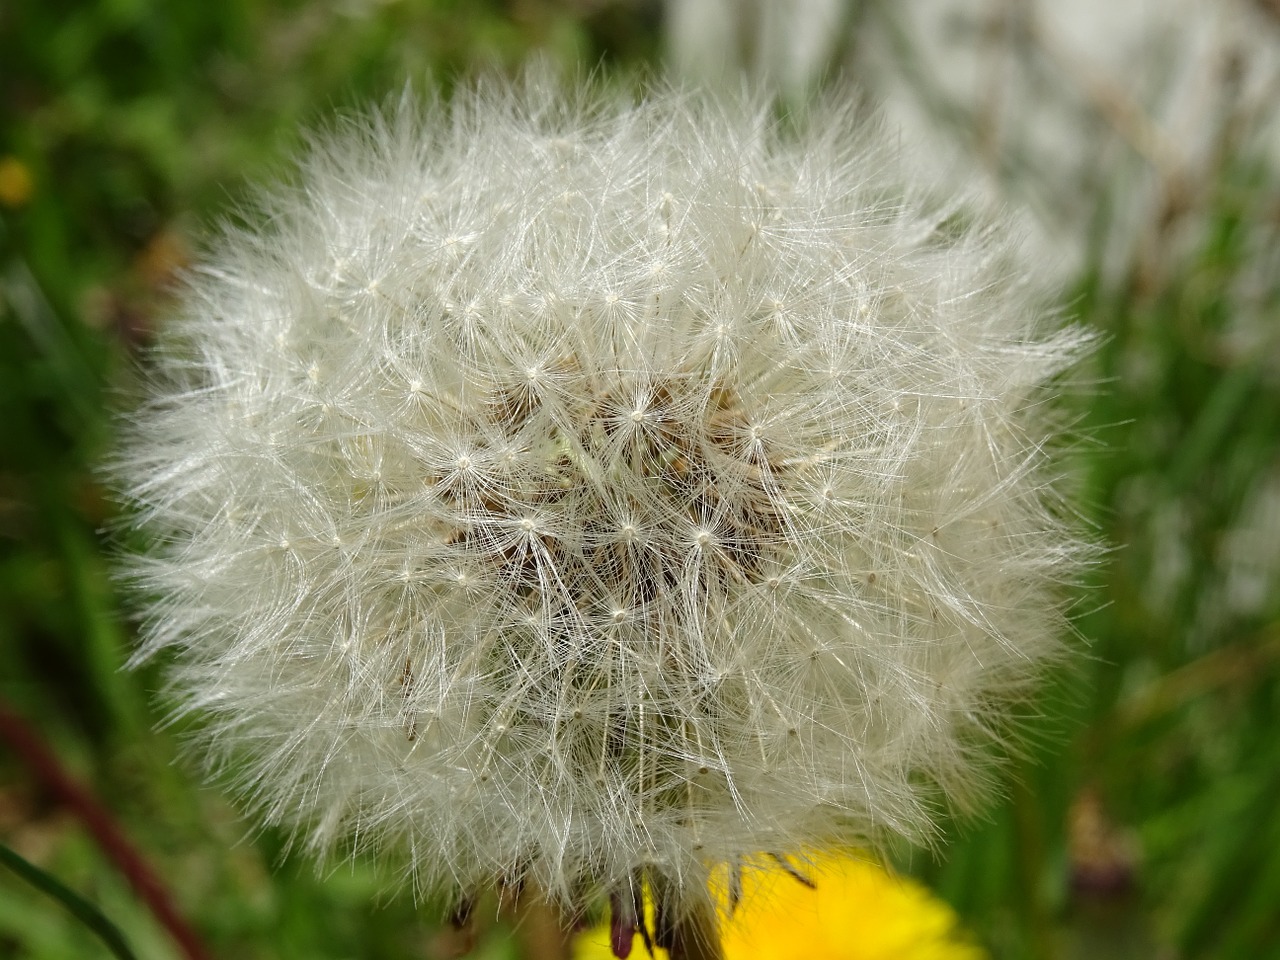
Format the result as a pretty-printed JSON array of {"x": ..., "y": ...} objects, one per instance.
[{"x": 558, "y": 488}]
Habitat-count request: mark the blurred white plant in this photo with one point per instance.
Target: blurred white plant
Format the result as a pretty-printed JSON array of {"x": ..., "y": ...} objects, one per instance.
[
  {"x": 1109, "y": 117},
  {"x": 1111, "y": 112},
  {"x": 786, "y": 45},
  {"x": 564, "y": 490}
]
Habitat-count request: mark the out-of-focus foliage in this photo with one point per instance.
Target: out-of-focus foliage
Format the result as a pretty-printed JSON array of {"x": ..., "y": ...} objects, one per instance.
[{"x": 1144, "y": 819}]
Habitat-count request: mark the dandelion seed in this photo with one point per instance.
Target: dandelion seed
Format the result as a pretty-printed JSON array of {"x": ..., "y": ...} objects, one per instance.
[{"x": 650, "y": 573}]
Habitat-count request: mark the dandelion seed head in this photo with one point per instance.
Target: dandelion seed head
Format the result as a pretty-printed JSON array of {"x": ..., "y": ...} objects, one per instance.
[{"x": 617, "y": 487}]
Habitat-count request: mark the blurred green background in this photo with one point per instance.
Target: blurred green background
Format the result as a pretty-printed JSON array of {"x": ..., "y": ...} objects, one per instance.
[{"x": 1145, "y": 821}]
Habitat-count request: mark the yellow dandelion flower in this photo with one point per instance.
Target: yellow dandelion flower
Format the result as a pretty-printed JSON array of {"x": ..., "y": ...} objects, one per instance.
[{"x": 856, "y": 910}]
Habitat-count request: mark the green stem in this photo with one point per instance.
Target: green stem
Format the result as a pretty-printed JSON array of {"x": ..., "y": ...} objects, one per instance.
[
  {"x": 22, "y": 738},
  {"x": 80, "y": 908}
]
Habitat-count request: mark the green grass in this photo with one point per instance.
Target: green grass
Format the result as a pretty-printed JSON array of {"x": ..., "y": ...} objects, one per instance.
[{"x": 142, "y": 122}]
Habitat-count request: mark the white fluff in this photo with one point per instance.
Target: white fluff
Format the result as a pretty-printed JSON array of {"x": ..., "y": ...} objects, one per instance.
[{"x": 557, "y": 488}]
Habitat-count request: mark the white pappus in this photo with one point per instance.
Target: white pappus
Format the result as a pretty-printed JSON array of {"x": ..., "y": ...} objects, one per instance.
[{"x": 569, "y": 490}]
